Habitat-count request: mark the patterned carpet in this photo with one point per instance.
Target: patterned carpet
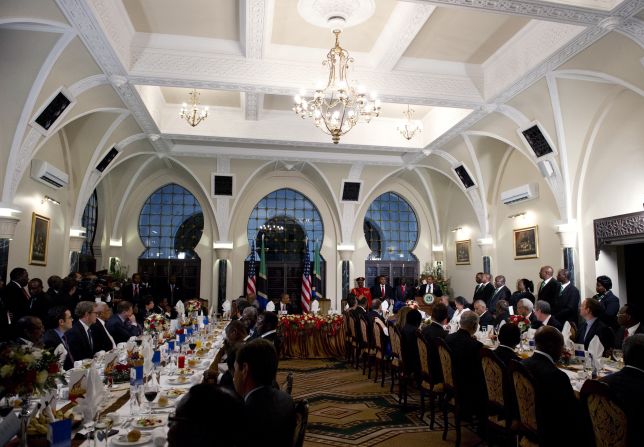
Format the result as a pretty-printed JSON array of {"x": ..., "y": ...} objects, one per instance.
[{"x": 347, "y": 409}]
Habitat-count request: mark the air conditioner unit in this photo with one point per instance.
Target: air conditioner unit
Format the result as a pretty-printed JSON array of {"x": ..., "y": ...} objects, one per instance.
[
  {"x": 520, "y": 194},
  {"x": 48, "y": 174}
]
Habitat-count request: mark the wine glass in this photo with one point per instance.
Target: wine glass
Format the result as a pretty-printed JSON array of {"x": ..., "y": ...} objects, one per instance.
[
  {"x": 618, "y": 355},
  {"x": 150, "y": 391}
]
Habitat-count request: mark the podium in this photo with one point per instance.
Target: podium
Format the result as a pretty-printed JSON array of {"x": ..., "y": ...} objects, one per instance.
[
  {"x": 325, "y": 305},
  {"x": 426, "y": 303}
]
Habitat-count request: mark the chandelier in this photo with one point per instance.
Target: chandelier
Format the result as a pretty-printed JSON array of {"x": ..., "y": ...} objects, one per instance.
[
  {"x": 193, "y": 115},
  {"x": 339, "y": 106},
  {"x": 409, "y": 126}
]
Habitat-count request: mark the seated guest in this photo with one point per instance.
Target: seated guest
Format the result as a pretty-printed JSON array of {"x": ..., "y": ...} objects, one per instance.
[
  {"x": 79, "y": 337},
  {"x": 509, "y": 337},
  {"x": 557, "y": 409},
  {"x": 450, "y": 310},
  {"x": 60, "y": 321},
  {"x": 409, "y": 345},
  {"x": 468, "y": 371},
  {"x": 235, "y": 334},
  {"x": 144, "y": 309},
  {"x": 266, "y": 327},
  {"x": 249, "y": 319},
  {"x": 269, "y": 412},
  {"x": 461, "y": 306},
  {"x": 629, "y": 319},
  {"x": 628, "y": 386},
  {"x": 431, "y": 332},
  {"x": 592, "y": 325},
  {"x": 485, "y": 318},
  {"x": 502, "y": 312},
  {"x": 351, "y": 303},
  {"x": 122, "y": 325},
  {"x": 208, "y": 416},
  {"x": 525, "y": 287},
  {"x": 29, "y": 331},
  {"x": 524, "y": 308},
  {"x": 103, "y": 341},
  {"x": 285, "y": 306},
  {"x": 375, "y": 312},
  {"x": 544, "y": 316},
  {"x": 166, "y": 309}
]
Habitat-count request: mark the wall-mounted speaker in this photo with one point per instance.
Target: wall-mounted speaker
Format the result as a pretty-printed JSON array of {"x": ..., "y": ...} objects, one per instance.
[
  {"x": 546, "y": 169},
  {"x": 107, "y": 159},
  {"x": 464, "y": 176},
  {"x": 52, "y": 111},
  {"x": 222, "y": 185},
  {"x": 351, "y": 191},
  {"x": 535, "y": 137}
]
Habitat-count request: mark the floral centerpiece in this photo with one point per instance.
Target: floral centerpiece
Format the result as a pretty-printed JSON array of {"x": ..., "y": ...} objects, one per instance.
[
  {"x": 291, "y": 325},
  {"x": 193, "y": 306},
  {"x": 26, "y": 370},
  {"x": 156, "y": 323},
  {"x": 522, "y": 322},
  {"x": 412, "y": 303}
]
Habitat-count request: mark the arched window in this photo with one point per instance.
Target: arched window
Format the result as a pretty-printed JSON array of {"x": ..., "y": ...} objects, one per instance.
[
  {"x": 170, "y": 224},
  {"x": 391, "y": 230},
  {"x": 90, "y": 216},
  {"x": 286, "y": 218}
]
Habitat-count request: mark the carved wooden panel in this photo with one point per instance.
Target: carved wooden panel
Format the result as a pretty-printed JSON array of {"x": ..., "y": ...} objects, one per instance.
[{"x": 618, "y": 228}]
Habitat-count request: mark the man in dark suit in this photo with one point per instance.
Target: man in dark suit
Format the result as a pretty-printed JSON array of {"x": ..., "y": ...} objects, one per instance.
[
  {"x": 429, "y": 285},
  {"x": 486, "y": 289},
  {"x": 145, "y": 309},
  {"x": 402, "y": 292},
  {"x": 79, "y": 337},
  {"x": 375, "y": 311},
  {"x": 477, "y": 288},
  {"x": 134, "y": 291},
  {"x": 467, "y": 368},
  {"x": 16, "y": 297},
  {"x": 173, "y": 291},
  {"x": 29, "y": 331},
  {"x": 608, "y": 301},
  {"x": 39, "y": 303},
  {"x": 501, "y": 292},
  {"x": 628, "y": 387},
  {"x": 60, "y": 321},
  {"x": 592, "y": 325},
  {"x": 381, "y": 289},
  {"x": 549, "y": 287},
  {"x": 629, "y": 319},
  {"x": 431, "y": 333},
  {"x": 409, "y": 344},
  {"x": 544, "y": 316},
  {"x": 566, "y": 305},
  {"x": 557, "y": 409},
  {"x": 509, "y": 338},
  {"x": 485, "y": 317},
  {"x": 122, "y": 325},
  {"x": 269, "y": 411},
  {"x": 525, "y": 308},
  {"x": 103, "y": 341},
  {"x": 284, "y": 307}
]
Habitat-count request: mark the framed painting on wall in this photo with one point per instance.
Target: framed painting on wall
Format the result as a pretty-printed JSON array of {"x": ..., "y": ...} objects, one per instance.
[
  {"x": 526, "y": 243},
  {"x": 463, "y": 252},
  {"x": 39, "y": 240}
]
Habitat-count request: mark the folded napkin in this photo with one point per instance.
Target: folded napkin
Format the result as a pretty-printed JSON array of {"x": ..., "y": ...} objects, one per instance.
[
  {"x": 62, "y": 353},
  {"x": 501, "y": 323},
  {"x": 181, "y": 309},
  {"x": 596, "y": 349},
  {"x": 148, "y": 351},
  {"x": 568, "y": 343},
  {"x": 159, "y": 436},
  {"x": 531, "y": 333},
  {"x": 93, "y": 396}
]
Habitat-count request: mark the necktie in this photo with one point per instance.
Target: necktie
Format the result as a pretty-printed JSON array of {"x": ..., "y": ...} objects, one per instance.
[
  {"x": 543, "y": 283},
  {"x": 91, "y": 342},
  {"x": 625, "y": 334},
  {"x": 69, "y": 353},
  {"x": 26, "y": 294},
  {"x": 136, "y": 290},
  {"x": 382, "y": 288},
  {"x": 561, "y": 290}
]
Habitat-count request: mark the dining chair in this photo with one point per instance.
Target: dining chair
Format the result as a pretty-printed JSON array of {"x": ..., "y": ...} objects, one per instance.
[
  {"x": 608, "y": 417},
  {"x": 301, "y": 421},
  {"x": 398, "y": 364},
  {"x": 426, "y": 382},
  {"x": 287, "y": 385},
  {"x": 368, "y": 352},
  {"x": 499, "y": 404},
  {"x": 524, "y": 388},
  {"x": 379, "y": 351},
  {"x": 450, "y": 388}
]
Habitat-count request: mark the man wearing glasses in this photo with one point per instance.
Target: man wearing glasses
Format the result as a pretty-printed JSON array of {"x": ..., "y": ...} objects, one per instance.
[{"x": 79, "y": 337}]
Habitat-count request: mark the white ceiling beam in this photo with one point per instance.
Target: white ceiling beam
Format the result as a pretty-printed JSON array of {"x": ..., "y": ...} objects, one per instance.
[
  {"x": 406, "y": 20},
  {"x": 252, "y": 105},
  {"x": 252, "y": 21}
]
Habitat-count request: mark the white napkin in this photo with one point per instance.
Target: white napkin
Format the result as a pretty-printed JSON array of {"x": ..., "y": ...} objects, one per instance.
[
  {"x": 147, "y": 356},
  {"x": 60, "y": 350},
  {"x": 181, "y": 309},
  {"x": 531, "y": 333},
  {"x": 566, "y": 331},
  {"x": 596, "y": 349},
  {"x": 95, "y": 390},
  {"x": 501, "y": 323},
  {"x": 315, "y": 307}
]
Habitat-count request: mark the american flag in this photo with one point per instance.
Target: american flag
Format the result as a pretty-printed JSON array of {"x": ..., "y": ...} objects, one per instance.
[
  {"x": 252, "y": 279},
  {"x": 306, "y": 282}
]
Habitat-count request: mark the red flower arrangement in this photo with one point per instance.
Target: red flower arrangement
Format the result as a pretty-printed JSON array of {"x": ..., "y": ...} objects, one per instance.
[
  {"x": 26, "y": 369},
  {"x": 292, "y": 325},
  {"x": 155, "y": 323},
  {"x": 519, "y": 320}
]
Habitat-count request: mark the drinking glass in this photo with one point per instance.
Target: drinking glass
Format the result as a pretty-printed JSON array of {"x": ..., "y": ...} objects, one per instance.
[
  {"x": 150, "y": 391},
  {"x": 618, "y": 355}
]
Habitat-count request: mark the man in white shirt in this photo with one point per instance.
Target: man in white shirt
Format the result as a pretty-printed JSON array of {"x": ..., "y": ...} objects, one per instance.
[
  {"x": 629, "y": 320},
  {"x": 55, "y": 339},
  {"x": 79, "y": 337},
  {"x": 542, "y": 312},
  {"x": 102, "y": 338}
]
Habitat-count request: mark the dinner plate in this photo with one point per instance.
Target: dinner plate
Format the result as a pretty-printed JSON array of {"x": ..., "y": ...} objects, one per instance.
[
  {"x": 173, "y": 393},
  {"x": 154, "y": 423},
  {"x": 122, "y": 439},
  {"x": 181, "y": 380}
]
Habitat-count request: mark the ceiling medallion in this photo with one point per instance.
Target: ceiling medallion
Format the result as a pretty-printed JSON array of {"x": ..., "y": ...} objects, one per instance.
[
  {"x": 336, "y": 13},
  {"x": 193, "y": 115},
  {"x": 409, "y": 126},
  {"x": 338, "y": 107}
]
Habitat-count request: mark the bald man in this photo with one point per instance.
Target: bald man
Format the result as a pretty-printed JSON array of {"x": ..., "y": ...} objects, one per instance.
[{"x": 549, "y": 287}]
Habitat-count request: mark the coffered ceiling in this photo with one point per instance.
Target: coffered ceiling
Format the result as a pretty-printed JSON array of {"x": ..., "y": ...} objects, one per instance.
[{"x": 453, "y": 61}]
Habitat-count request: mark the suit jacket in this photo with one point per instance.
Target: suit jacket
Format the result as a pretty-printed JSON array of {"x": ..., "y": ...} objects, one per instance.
[
  {"x": 120, "y": 330},
  {"x": 51, "y": 340},
  {"x": 289, "y": 308},
  {"x": 620, "y": 332},
  {"x": 430, "y": 333},
  {"x": 127, "y": 293},
  {"x": 272, "y": 417},
  {"x": 551, "y": 322},
  {"x": 485, "y": 293},
  {"x": 534, "y": 322},
  {"x": 468, "y": 372},
  {"x": 487, "y": 319},
  {"x": 15, "y": 301},
  {"x": 399, "y": 295},
  {"x": 172, "y": 295},
  {"x": 39, "y": 305},
  {"x": 424, "y": 289},
  {"x": 376, "y": 292},
  {"x": 610, "y": 307},
  {"x": 102, "y": 340},
  {"x": 502, "y": 294},
  {"x": 78, "y": 341},
  {"x": 409, "y": 347},
  {"x": 598, "y": 328},
  {"x": 506, "y": 354},
  {"x": 516, "y": 296},
  {"x": 628, "y": 388},
  {"x": 557, "y": 408},
  {"x": 550, "y": 292},
  {"x": 566, "y": 306}
]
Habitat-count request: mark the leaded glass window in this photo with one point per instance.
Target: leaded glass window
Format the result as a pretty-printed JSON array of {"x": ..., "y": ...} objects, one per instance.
[
  {"x": 171, "y": 223},
  {"x": 90, "y": 215},
  {"x": 391, "y": 228}
]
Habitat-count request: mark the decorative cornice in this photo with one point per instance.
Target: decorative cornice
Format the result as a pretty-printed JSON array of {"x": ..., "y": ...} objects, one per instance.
[
  {"x": 253, "y": 103},
  {"x": 633, "y": 28},
  {"x": 618, "y": 229},
  {"x": 252, "y": 23}
]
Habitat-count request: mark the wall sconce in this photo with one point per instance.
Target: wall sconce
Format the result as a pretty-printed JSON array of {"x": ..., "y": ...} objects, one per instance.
[{"x": 51, "y": 200}]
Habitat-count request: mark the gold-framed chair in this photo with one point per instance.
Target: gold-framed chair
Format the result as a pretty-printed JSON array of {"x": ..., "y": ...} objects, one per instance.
[
  {"x": 525, "y": 391},
  {"x": 367, "y": 350},
  {"x": 397, "y": 363},
  {"x": 608, "y": 417},
  {"x": 426, "y": 383},
  {"x": 301, "y": 421},
  {"x": 500, "y": 404},
  {"x": 451, "y": 390},
  {"x": 379, "y": 344}
]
